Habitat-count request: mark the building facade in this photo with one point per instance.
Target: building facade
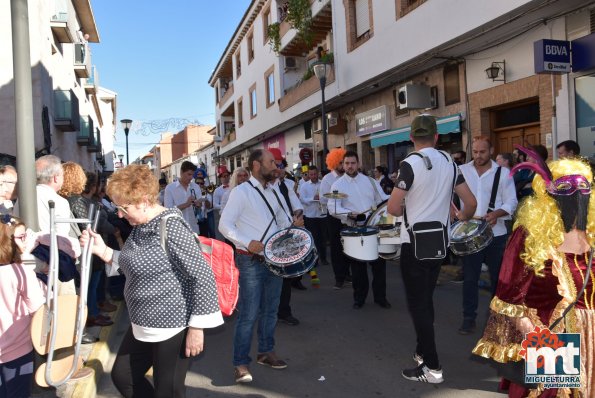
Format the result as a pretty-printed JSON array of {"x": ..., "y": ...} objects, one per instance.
[
  {"x": 392, "y": 60},
  {"x": 74, "y": 118}
]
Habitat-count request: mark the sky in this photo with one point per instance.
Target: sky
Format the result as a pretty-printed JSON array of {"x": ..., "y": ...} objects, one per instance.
[{"x": 158, "y": 57}]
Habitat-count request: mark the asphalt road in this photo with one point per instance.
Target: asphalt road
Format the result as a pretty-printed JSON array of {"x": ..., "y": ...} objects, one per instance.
[{"x": 337, "y": 351}]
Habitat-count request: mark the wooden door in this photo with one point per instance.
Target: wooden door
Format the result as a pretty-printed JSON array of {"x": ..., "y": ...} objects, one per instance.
[{"x": 506, "y": 138}]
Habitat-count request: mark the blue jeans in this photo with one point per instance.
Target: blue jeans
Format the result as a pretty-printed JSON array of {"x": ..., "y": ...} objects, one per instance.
[
  {"x": 92, "y": 305},
  {"x": 260, "y": 290},
  {"x": 492, "y": 256},
  {"x": 16, "y": 377}
]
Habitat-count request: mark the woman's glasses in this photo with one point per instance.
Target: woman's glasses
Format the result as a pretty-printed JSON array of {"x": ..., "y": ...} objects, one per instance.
[
  {"x": 123, "y": 209},
  {"x": 22, "y": 237}
]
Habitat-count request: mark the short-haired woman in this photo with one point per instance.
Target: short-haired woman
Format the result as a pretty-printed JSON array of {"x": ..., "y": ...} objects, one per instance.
[{"x": 170, "y": 292}]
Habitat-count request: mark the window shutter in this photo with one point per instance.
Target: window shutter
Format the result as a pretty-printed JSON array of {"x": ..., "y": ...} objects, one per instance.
[{"x": 362, "y": 17}]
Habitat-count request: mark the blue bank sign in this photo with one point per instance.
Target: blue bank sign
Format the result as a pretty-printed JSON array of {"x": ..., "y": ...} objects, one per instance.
[{"x": 552, "y": 56}]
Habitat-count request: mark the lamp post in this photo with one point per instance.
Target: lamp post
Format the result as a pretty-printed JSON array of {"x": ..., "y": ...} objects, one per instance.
[
  {"x": 322, "y": 70},
  {"x": 126, "y": 123}
]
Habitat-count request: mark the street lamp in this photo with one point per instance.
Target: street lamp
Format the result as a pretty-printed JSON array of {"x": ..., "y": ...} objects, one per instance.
[
  {"x": 121, "y": 157},
  {"x": 322, "y": 70},
  {"x": 126, "y": 123}
]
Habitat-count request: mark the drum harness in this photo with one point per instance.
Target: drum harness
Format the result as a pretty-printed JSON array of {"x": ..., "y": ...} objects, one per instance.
[{"x": 257, "y": 256}]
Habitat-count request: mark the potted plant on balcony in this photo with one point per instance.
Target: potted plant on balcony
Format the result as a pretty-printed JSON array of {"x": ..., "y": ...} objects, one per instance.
[
  {"x": 299, "y": 16},
  {"x": 274, "y": 37}
]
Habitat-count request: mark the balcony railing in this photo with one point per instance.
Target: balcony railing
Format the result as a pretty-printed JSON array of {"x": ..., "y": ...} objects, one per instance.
[
  {"x": 95, "y": 141},
  {"x": 85, "y": 134},
  {"x": 92, "y": 82},
  {"x": 60, "y": 22},
  {"x": 66, "y": 110},
  {"x": 227, "y": 95},
  {"x": 82, "y": 60},
  {"x": 303, "y": 90}
]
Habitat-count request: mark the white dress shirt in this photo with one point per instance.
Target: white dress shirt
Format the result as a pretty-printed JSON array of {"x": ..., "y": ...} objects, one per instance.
[
  {"x": 246, "y": 216},
  {"x": 62, "y": 210},
  {"x": 293, "y": 198},
  {"x": 481, "y": 186},
  {"x": 312, "y": 208},
  {"x": 325, "y": 186},
  {"x": 363, "y": 194},
  {"x": 176, "y": 195},
  {"x": 218, "y": 196}
]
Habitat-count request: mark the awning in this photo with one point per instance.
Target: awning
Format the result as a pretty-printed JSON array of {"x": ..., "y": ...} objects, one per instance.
[{"x": 446, "y": 125}]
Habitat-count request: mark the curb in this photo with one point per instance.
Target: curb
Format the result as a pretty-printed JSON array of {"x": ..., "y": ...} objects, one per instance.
[{"x": 97, "y": 359}]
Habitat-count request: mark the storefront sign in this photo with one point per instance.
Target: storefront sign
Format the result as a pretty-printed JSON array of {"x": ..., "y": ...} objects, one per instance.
[
  {"x": 306, "y": 155},
  {"x": 551, "y": 56},
  {"x": 371, "y": 121},
  {"x": 305, "y": 145},
  {"x": 583, "y": 53},
  {"x": 277, "y": 141}
]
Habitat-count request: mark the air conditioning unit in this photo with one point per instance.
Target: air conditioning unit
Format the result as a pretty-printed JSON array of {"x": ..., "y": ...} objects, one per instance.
[
  {"x": 414, "y": 96},
  {"x": 291, "y": 63}
]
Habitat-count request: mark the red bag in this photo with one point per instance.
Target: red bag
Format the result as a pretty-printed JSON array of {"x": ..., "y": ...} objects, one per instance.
[{"x": 220, "y": 256}]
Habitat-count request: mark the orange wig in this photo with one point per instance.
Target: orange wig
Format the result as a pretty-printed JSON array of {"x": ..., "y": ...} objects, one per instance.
[{"x": 334, "y": 157}]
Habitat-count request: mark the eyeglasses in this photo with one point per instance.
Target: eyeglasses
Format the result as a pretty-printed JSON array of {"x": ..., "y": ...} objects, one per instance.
[
  {"x": 22, "y": 237},
  {"x": 123, "y": 209},
  {"x": 201, "y": 183},
  {"x": 8, "y": 182}
]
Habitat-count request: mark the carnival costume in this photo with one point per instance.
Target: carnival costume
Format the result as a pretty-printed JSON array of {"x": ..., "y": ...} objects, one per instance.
[{"x": 538, "y": 281}]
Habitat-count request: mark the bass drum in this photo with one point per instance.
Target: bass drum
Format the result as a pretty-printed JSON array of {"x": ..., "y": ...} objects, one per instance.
[
  {"x": 389, "y": 232},
  {"x": 290, "y": 252},
  {"x": 468, "y": 237}
]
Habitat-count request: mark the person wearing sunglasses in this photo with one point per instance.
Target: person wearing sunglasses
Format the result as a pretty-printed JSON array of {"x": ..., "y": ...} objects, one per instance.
[{"x": 545, "y": 275}]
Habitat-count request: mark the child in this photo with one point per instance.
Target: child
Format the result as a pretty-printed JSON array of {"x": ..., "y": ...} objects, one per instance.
[{"x": 20, "y": 296}]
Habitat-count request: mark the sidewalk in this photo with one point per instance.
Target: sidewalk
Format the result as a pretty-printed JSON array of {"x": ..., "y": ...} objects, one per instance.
[{"x": 95, "y": 356}]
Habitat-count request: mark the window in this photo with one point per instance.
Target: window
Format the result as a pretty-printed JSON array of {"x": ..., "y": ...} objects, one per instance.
[
  {"x": 452, "y": 91},
  {"x": 362, "y": 17},
  {"x": 250, "y": 46},
  {"x": 238, "y": 64},
  {"x": 269, "y": 80},
  {"x": 266, "y": 21},
  {"x": 240, "y": 112},
  {"x": 253, "y": 107},
  {"x": 404, "y": 7},
  {"x": 359, "y": 22}
]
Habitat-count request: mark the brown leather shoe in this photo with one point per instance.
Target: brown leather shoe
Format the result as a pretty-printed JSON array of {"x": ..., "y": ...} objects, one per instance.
[
  {"x": 242, "y": 374},
  {"x": 106, "y": 306},
  {"x": 270, "y": 359},
  {"x": 97, "y": 321}
]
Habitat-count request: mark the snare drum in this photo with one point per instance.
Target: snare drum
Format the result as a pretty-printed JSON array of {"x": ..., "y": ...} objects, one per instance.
[
  {"x": 360, "y": 243},
  {"x": 468, "y": 237},
  {"x": 290, "y": 252},
  {"x": 389, "y": 232}
]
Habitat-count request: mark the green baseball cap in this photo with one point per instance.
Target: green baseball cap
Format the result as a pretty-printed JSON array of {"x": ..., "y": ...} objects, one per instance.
[{"x": 423, "y": 125}]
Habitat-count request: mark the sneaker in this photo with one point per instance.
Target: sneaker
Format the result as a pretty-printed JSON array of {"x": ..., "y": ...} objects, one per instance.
[
  {"x": 467, "y": 327},
  {"x": 424, "y": 374},
  {"x": 384, "y": 304},
  {"x": 242, "y": 374},
  {"x": 418, "y": 358},
  {"x": 289, "y": 320},
  {"x": 338, "y": 285},
  {"x": 270, "y": 359}
]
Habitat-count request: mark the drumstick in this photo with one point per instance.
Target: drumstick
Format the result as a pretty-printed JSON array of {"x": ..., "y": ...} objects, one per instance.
[{"x": 454, "y": 207}]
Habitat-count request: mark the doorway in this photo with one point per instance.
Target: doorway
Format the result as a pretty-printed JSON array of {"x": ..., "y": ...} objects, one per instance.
[
  {"x": 506, "y": 138},
  {"x": 515, "y": 124}
]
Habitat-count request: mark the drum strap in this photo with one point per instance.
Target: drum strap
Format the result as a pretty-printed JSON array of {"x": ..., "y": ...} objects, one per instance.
[
  {"x": 270, "y": 208},
  {"x": 494, "y": 190}
]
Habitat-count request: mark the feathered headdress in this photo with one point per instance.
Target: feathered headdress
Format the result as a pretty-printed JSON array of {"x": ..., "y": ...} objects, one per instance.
[{"x": 540, "y": 167}]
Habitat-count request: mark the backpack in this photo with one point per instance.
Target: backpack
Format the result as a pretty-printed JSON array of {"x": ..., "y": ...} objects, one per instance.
[{"x": 220, "y": 256}]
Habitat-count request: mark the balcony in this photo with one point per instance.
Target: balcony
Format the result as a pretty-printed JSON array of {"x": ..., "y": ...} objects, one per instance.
[
  {"x": 95, "y": 141},
  {"x": 322, "y": 24},
  {"x": 302, "y": 90},
  {"x": 82, "y": 60},
  {"x": 66, "y": 110},
  {"x": 59, "y": 22},
  {"x": 84, "y": 136},
  {"x": 229, "y": 138},
  {"x": 92, "y": 82},
  {"x": 227, "y": 95}
]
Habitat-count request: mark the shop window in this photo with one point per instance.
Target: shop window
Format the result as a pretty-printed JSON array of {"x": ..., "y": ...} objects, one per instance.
[
  {"x": 359, "y": 22},
  {"x": 452, "y": 89}
]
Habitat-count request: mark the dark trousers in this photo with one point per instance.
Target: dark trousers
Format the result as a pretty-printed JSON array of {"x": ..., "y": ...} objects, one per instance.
[
  {"x": 284, "y": 306},
  {"x": 339, "y": 260},
  {"x": 167, "y": 358},
  {"x": 492, "y": 256},
  {"x": 361, "y": 283},
  {"x": 419, "y": 278},
  {"x": 16, "y": 377},
  {"x": 315, "y": 227}
]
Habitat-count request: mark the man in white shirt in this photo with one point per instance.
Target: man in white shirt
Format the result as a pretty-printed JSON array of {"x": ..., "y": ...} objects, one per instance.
[
  {"x": 314, "y": 216},
  {"x": 248, "y": 222},
  {"x": 363, "y": 194},
  {"x": 424, "y": 187},
  {"x": 221, "y": 189},
  {"x": 482, "y": 175},
  {"x": 334, "y": 162},
  {"x": 185, "y": 194}
]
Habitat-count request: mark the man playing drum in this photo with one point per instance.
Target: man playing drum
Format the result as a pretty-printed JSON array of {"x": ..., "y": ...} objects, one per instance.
[
  {"x": 252, "y": 214},
  {"x": 363, "y": 195},
  {"x": 485, "y": 178},
  {"x": 425, "y": 186}
]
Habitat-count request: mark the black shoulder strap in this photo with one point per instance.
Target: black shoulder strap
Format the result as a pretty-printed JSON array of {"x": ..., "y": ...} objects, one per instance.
[
  {"x": 265, "y": 201},
  {"x": 494, "y": 190}
]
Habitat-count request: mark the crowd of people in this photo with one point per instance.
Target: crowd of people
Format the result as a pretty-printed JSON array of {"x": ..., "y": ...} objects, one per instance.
[{"x": 252, "y": 204}]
